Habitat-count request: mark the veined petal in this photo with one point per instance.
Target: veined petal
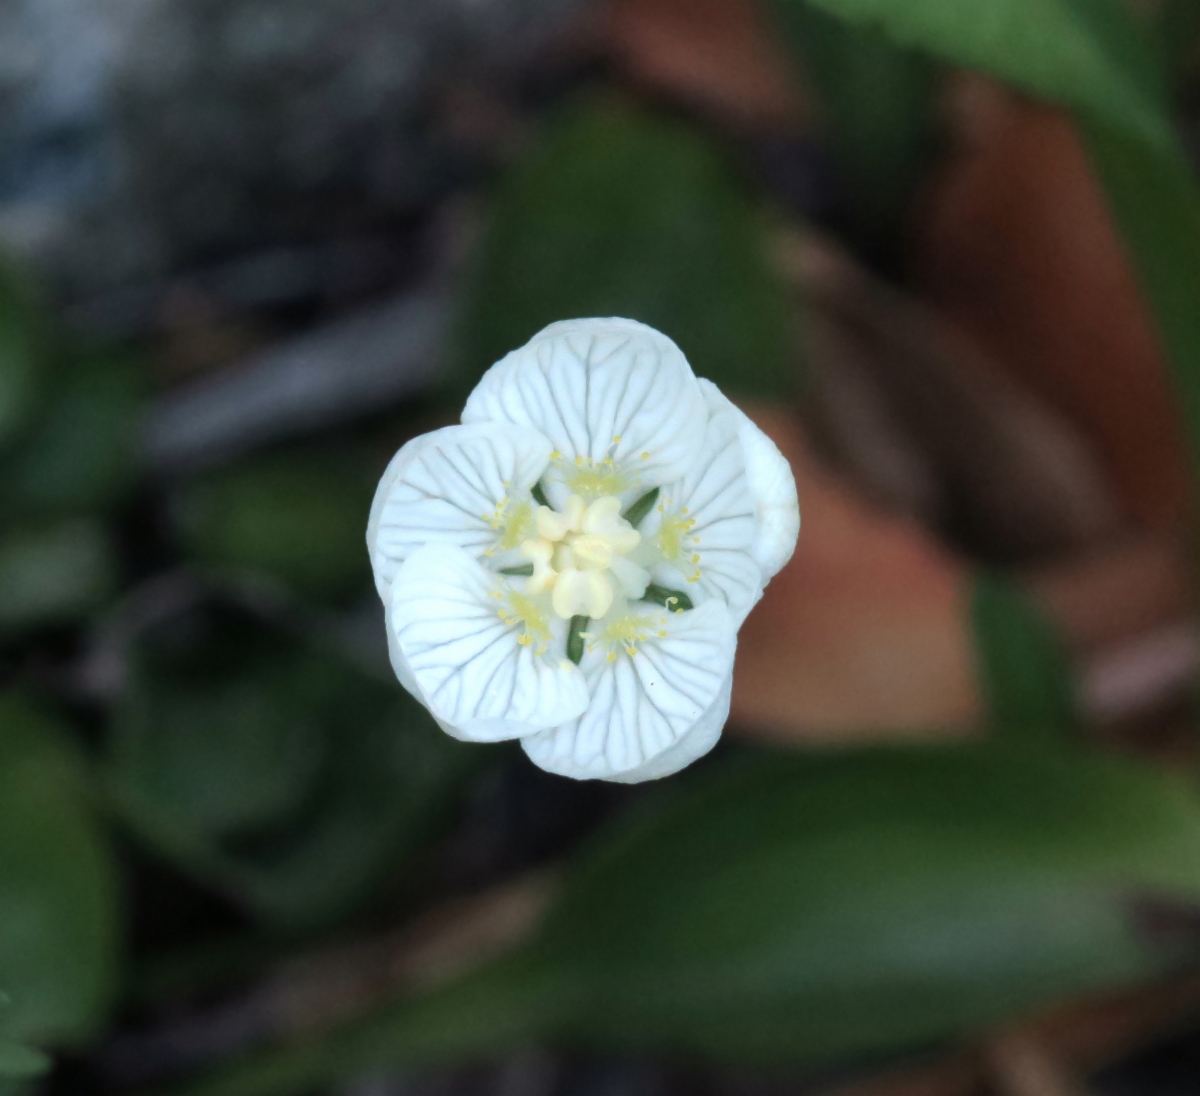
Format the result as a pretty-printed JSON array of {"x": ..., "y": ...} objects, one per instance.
[
  {"x": 643, "y": 704},
  {"x": 771, "y": 485},
  {"x": 691, "y": 747},
  {"x": 482, "y": 657},
  {"x": 400, "y": 666},
  {"x": 701, "y": 535},
  {"x": 617, "y": 398},
  {"x": 462, "y": 485}
]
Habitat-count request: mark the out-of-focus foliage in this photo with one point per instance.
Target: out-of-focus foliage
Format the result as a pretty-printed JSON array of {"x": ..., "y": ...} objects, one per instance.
[
  {"x": 809, "y": 909},
  {"x": 620, "y": 212},
  {"x": 876, "y": 103},
  {"x": 80, "y": 454},
  {"x": 1155, "y": 202},
  {"x": 1179, "y": 34},
  {"x": 802, "y": 910},
  {"x": 296, "y": 516},
  {"x": 54, "y": 572},
  {"x": 1099, "y": 60},
  {"x": 274, "y": 770},
  {"x": 18, "y": 1061},
  {"x": 58, "y": 888},
  {"x": 23, "y": 357},
  {"x": 1024, "y": 670},
  {"x": 1092, "y": 56}
]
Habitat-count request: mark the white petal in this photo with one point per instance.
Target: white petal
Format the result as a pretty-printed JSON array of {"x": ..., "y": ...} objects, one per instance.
[
  {"x": 400, "y": 664},
  {"x": 716, "y": 557},
  {"x": 691, "y": 747},
  {"x": 464, "y": 662},
  {"x": 601, "y": 388},
  {"x": 645, "y": 704},
  {"x": 771, "y": 484},
  {"x": 444, "y": 487},
  {"x": 632, "y": 579}
]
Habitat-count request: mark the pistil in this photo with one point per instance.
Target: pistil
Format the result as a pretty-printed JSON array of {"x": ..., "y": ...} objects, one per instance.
[{"x": 578, "y": 553}]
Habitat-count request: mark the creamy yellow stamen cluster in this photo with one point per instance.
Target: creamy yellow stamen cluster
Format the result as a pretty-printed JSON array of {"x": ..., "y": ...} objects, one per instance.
[
  {"x": 578, "y": 552},
  {"x": 625, "y": 634},
  {"x": 519, "y": 611},
  {"x": 512, "y": 520},
  {"x": 677, "y": 543}
]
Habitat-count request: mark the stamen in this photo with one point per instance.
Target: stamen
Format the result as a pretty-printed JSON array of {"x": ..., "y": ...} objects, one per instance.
[{"x": 674, "y": 600}]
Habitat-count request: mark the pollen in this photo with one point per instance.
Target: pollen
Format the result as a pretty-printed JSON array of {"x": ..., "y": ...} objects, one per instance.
[
  {"x": 524, "y": 612},
  {"x": 630, "y": 631},
  {"x": 513, "y": 521},
  {"x": 596, "y": 479},
  {"x": 672, "y": 535}
]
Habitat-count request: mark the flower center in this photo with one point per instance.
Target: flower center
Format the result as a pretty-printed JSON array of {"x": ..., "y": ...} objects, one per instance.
[{"x": 579, "y": 552}]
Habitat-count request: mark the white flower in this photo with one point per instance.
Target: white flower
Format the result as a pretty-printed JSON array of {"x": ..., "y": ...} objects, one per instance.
[{"x": 570, "y": 566}]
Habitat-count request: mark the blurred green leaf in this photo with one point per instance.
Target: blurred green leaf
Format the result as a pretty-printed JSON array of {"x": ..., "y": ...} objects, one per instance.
[
  {"x": 271, "y": 770},
  {"x": 877, "y": 112},
  {"x": 229, "y": 734},
  {"x": 53, "y": 573},
  {"x": 1179, "y": 35},
  {"x": 58, "y": 887},
  {"x": 1092, "y": 55},
  {"x": 809, "y": 909},
  {"x": 297, "y": 516},
  {"x": 1024, "y": 669},
  {"x": 82, "y": 453},
  {"x": 18, "y": 1061},
  {"x": 620, "y": 213},
  {"x": 24, "y": 360},
  {"x": 1155, "y": 202},
  {"x": 1097, "y": 58}
]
